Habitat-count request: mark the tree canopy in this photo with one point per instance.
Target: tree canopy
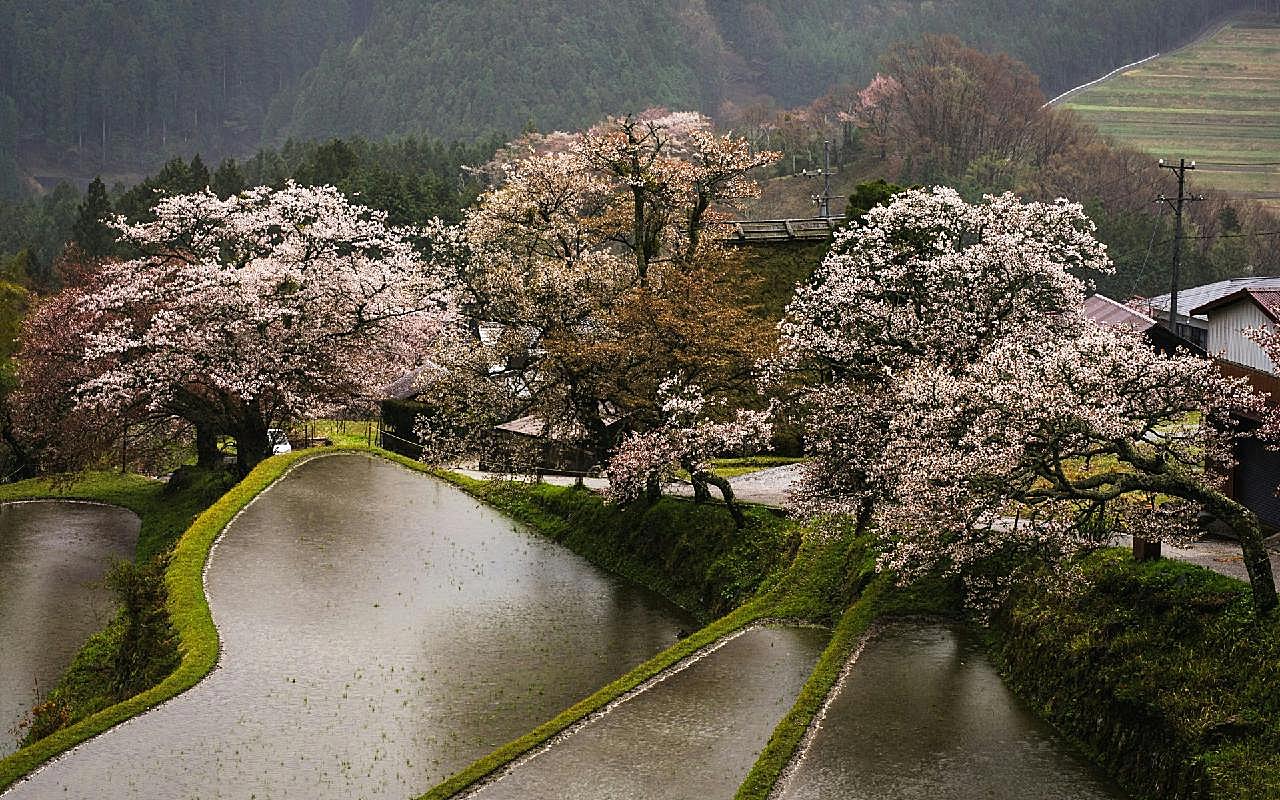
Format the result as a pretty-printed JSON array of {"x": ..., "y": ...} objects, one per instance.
[
  {"x": 958, "y": 396},
  {"x": 248, "y": 312}
]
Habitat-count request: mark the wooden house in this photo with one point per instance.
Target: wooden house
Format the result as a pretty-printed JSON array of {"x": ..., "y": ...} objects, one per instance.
[{"x": 1216, "y": 318}]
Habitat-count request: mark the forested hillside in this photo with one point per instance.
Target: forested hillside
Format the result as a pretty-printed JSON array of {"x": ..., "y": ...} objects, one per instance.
[
  {"x": 117, "y": 86},
  {"x": 453, "y": 68},
  {"x": 227, "y": 76}
]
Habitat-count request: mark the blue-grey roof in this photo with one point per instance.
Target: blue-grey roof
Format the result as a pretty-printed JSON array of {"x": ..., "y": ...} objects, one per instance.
[{"x": 1196, "y": 296}]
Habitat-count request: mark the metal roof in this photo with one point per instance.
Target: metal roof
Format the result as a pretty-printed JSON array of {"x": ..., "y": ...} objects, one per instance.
[
  {"x": 533, "y": 425},
  {"x": 1196, "y": 297},
  {"x": 1105, "y": 311},
  {"x": 1266, "y": 299},
  {"x": 405, "y": 387}
]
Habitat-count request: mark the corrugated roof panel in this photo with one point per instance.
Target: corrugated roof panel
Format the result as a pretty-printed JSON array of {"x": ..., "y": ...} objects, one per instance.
[
  {"x": 1196, "y": 296},
  {"x": 1105, "y": 311}
]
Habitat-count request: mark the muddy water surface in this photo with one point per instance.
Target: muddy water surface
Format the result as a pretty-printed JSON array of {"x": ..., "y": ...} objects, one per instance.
[
  {"x": 693, "y": 735},
  {"x": 924, "y": 716},
  {"x": 381, "y": 630},
  {"x": 53, "y": 556}
]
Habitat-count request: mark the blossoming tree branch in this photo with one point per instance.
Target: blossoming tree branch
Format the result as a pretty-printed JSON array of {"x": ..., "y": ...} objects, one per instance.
[{"x": 960, "y": 402}]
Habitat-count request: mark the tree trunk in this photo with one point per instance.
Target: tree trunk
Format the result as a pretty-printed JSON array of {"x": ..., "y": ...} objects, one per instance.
[
  {"x": 207, "y": 454},
  {"x": 1244, "y": 524},
  {"x": 24, "y": 466},
  {"x": 726, "y": 491},
  {"x": 865, "y": 509},
  {"x": 697, "y": 479},
  {"x": 252, "y": 444},
  {"x": 652, "y": 489},
  {"x": 641, "y": 240}
]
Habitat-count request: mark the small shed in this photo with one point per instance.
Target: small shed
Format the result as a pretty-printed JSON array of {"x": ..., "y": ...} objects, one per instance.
[
  {"x": 1232, "y": 315},
  {"x": 555, "y": 448}
]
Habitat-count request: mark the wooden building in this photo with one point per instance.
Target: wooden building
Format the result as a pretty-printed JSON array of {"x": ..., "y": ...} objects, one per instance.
[{"x": 1217, "y": 316}]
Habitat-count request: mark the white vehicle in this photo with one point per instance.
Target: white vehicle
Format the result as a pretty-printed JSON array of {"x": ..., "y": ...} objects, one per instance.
[{"x": 279, "y": 441}]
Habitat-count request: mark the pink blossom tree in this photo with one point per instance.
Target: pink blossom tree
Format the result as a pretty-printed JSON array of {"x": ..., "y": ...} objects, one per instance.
[
  {"x": 585, "y": 276},
  {"x": 927, "y": 279},
  {"x": 1056, "y": 440},
  {"x": 957, "y": 397},
  {"x": 688, "y": 440},
  {"x": 249, "y": 312},
  {"x": 875, "y": 109}
]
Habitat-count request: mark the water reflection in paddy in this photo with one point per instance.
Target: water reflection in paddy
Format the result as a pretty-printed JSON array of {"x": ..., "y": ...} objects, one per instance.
[
  {"x": 381, "y": 630},
  {"x": 694, "y": 735},
  {"x": 923, "y": 715},
  {"x": 53, "y": 556}
]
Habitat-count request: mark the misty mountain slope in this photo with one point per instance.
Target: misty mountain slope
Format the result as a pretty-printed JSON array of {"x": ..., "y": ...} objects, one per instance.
[
  {"x": 121, "y": 85},
  {"x": 460, "y": 69},
  {"x": 454, "y": 68}
]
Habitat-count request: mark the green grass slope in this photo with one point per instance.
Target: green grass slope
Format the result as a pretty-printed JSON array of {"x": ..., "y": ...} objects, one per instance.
[{"x": 1216, "y": 100}]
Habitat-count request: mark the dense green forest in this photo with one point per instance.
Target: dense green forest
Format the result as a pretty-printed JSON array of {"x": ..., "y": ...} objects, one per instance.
[
  {"x": 412, "y": 179},
  {"x": 118, "y": 87},
  {"x": 454, "y": 68}
]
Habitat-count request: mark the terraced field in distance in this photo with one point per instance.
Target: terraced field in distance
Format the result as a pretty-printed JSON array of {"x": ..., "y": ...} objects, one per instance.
[{"x": 1216, "y": 101}]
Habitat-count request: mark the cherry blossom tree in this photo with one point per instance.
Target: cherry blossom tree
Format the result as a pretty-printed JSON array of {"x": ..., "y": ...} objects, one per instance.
[
  {"x": 958, "y": 398},
  {"x": 585, "y": 275},
  {"x": 242, "y": 313},
  {"x": 927, "y": 279},
  {"x": 875, "y": 109},
  {"x": 1054, "y": 441},
  {"x": 48, "y": 426},
  {"x": 687, "y": 440}
]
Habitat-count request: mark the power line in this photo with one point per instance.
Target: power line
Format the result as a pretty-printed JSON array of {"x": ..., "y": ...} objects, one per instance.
[
  {"x": 1126, "y": 254},
  {"x": 1234, "y": 235},
  {"x": 1142, "y": 270},
  {"x": 1240, "y": 163}
]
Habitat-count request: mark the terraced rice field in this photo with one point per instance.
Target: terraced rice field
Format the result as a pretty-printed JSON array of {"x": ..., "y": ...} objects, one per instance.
[{"x": 1216, "y": 101}]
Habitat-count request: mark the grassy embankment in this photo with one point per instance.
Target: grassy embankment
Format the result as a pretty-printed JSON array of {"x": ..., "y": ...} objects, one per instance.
[
  {"x": 1159, "y": 671},
  {"x": 186, "y": 521},
  {"x": 1216, "y": 100}
]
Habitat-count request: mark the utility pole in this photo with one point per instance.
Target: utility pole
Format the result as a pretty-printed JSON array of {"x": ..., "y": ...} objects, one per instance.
[
  {"x": 1176, "y": 204},
  {"x": 1146, "y": 549},
  {"x": 823, "y": 200}
]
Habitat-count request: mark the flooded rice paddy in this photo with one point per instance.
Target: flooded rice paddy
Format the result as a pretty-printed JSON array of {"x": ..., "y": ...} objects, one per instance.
[
  {"x": 693, "y": 735},
  {"x": 922, "y": 716},
  {"x": 380, "y": 631},
  {"x": 53, "y": 557}
]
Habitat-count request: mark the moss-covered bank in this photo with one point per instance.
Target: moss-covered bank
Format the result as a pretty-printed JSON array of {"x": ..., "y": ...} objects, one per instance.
[{"x": 1159, "y": 670}]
